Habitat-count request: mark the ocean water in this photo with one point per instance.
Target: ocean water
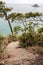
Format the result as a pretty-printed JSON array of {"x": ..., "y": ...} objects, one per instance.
[{"x": 22, "y": 8}]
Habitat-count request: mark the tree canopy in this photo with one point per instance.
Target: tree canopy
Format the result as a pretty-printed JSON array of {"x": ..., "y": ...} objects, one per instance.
[{"x": 3, "y": 7}]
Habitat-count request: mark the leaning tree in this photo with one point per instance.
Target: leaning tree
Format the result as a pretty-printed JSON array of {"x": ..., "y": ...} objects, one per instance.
[
  {"x": 3, "y": 13},
  {"x": 27, "y": 20}
]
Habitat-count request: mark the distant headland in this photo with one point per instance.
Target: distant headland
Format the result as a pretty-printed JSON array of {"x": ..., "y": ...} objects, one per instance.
[{"x": 35, "y": 5}]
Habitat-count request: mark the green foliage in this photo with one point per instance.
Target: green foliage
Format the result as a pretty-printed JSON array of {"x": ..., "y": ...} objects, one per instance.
[
  {"x": 22, "y": 18},
  {"x": 1, "y": 42},
  {"x": 23, "y": 40},
  {"x": 38, "y": 40},
  {"x": 1, "y": 37},
  {"x": 3, "y": 8},
  {"x": 15, "y": 16},
  {"x": 7, "y": 9},
  {"x": 31, "y": 39},
  {"x": 40, "y": 30},
  {"x": 12, "y": 16},
  {"x": 26, "y": 39},
  {"x": 12, "y": 38},
  {"x": 19, "y": 16},
  {"x": 30, "y": 14},
  {"x": 16, "y": 29}
]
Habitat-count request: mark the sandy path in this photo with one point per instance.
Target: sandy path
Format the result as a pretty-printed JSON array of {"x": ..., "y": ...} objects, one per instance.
[
  {"x": 19, "y": 56},
  {"x": 17, "y": 53}
]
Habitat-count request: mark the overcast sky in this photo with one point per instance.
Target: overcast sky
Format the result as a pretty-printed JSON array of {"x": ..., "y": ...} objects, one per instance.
[{"x": 23, "y": 1}]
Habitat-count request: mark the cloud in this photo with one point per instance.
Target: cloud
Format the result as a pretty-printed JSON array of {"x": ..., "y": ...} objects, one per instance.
[
  {"x": 23, "y": 1},
  {"x": 16, "y": 1}
]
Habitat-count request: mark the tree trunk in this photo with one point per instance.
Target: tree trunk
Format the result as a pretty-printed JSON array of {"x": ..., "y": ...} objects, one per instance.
[
  {"x": 10, "y": 26},
  {"x": 8, "y": 21}
]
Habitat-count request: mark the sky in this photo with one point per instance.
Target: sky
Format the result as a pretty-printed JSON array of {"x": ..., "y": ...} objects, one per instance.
[{"x": 23, "y": 1}]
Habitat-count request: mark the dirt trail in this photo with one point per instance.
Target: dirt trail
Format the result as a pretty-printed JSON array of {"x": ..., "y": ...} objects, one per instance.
[
  {"x": 16, "y": 53},
  {"x": 20, "y": 56}
]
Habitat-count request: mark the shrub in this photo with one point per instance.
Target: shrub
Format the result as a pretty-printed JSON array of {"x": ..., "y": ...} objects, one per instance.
[
  {"x": 38, "y": 40},
  {"x": 30, "y": 39},
  {"x": 1, "y": 43},
  {"x": 12, "y": 38},
  {"x": 26, "y": 39}
]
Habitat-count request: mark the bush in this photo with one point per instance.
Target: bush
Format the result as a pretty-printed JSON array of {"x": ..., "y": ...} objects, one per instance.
[
  {"x": 12, "y": 38},
  {"x": 26, "y": 39},
  {"x": 1, "y": 43},
  {"x": 30, "y": 39},
  {"x": 38, "y": 39}
]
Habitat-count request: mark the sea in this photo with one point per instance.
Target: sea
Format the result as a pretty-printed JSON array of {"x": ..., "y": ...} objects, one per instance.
[{"x": 17, "y": 8}]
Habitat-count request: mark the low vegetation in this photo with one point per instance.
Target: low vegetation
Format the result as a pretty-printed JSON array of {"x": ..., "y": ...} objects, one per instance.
[
  {"x": 12, "y": 38},
  {"x": 1, "y": 44},
  {"x": 31, "y": 39},
  {"x": 5, "y": 40}
]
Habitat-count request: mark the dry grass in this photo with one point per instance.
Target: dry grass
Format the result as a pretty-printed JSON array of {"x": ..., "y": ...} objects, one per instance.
[{"x": 35, "y": 50}]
